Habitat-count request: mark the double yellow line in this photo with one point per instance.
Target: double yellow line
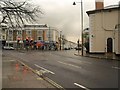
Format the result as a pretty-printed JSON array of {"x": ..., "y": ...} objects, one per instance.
[{"x": 45, "y": 78}]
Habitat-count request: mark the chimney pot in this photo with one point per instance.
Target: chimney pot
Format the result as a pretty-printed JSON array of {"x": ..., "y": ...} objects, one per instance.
[{"x": 99, "y": 4}]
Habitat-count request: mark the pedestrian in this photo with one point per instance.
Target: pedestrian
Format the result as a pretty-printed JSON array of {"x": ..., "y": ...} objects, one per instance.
[{"x": 27, "y": 44}]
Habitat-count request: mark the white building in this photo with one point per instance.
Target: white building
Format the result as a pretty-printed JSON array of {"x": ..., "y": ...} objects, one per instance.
[
  {"x": 3, "y": 29},
  {"x": 104, "y": 30}
]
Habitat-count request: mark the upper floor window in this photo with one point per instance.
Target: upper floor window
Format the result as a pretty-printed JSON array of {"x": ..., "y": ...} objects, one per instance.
[
  {"x": 3, "y": 37},
  {"x": 29, "y": 32},
  {"x": 10, "y": 32},
  {"x": 40, "y": 32},
  {"x": 10, "y": 38},
  {"x": 19, "y": 32},
  {"x": 3, "y": 30}
]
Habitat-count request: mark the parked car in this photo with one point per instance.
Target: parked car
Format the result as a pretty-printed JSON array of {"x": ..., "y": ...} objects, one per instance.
[
  {"x": 78, "y": 48},
  {"x": 66, "y": 48},
  {"x": 8, "y": 48}
]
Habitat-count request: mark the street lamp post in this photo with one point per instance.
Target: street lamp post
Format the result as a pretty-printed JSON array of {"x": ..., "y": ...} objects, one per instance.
[
  {"x": 74, "y": 3},
  {"x": 60, "y": 40}
]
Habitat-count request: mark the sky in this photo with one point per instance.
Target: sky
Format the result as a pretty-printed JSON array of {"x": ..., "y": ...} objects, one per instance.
[{"x": 65, "y": 16}]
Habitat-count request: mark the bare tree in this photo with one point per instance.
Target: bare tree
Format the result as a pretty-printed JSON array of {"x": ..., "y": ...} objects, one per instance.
[{"x": 16, "y": 12}]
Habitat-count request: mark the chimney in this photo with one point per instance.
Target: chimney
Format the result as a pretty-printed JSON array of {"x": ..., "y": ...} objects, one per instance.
[{"x": 99, "y": 4}]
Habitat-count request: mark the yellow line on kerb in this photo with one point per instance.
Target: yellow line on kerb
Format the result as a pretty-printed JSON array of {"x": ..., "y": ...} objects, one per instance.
[
  {"x": 45, "y": 78},
  {"x": 27, "y": 66},
  {"x": 54, "y": 83}
]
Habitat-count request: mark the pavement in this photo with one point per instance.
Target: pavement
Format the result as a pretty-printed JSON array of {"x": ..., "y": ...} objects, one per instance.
[
  {"x": 16, "y": 75},
  {"x": 107, "y": 56}
]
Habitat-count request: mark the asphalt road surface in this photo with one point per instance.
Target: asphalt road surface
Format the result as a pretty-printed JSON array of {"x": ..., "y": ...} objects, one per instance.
[{"x": 72, "y": 71}]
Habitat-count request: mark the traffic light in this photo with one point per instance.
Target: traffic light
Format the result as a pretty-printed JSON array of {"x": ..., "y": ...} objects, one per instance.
[
  {"x": 27, "y": 41},
  {"x": 18, "y": 41},
  {"x": 78, "y": 41},
  {"x": 31, "y": 40}
]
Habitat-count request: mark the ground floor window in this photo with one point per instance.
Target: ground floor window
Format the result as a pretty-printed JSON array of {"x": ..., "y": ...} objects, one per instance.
[{"x": 39, "y": 38}]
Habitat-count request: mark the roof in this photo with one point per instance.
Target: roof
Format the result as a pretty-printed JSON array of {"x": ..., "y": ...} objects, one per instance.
[
  {"x": 103, "y": 10},
  {"x": 36, "y": 25}
]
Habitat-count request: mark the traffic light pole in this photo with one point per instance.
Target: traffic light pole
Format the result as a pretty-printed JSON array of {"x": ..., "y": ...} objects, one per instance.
[
  {"x": 81, "y": 24},
  {"x": 60, "y": 39},
  {"x": 78, "y": 45}
]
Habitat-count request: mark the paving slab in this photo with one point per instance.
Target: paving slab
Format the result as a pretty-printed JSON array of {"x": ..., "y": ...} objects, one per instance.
[
  {"x": 108, "y": 56},
  {"x": 15, "y": 75}
]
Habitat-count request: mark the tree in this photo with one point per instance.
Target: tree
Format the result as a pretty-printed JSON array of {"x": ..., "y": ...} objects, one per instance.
[{"x": 16, "y": 13}]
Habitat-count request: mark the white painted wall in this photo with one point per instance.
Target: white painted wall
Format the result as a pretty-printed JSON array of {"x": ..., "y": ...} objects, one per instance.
[{"x": 102, "y": 27}]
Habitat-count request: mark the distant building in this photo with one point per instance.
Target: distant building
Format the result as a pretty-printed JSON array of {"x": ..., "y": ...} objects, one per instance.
[
  {"x": 53, "y": 34},
  {"x": 3, "y": 29},
  {"x": 104, "y": 29},
  {"x": 36, "y": 32},
  {"x": 40, "y": 32}
]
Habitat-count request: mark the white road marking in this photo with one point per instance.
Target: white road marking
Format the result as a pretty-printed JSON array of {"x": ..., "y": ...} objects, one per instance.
[
  {"x": 116, "y": 67},
  {"x": 69, "y": 64},
  {"x": 87, "y": 62},
  {"x": 81, "y": 86},
  {"x": 38, "y": 72},
  {"x": 8, "y": 60},
  {"x": 11, "y": 60},
  {"x": 39, "y": 78},
  {"x": 44, "y": 69}
]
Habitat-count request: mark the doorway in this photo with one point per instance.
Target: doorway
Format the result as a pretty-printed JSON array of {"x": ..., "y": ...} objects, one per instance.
[{"x": 109, "y": 45}]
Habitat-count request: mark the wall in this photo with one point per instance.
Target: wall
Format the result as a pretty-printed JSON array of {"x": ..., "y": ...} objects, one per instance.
[
  {"x": 118, "y": 41},
  {"x": 119, "y": 29},
  {"x": 102, "y": 26}
]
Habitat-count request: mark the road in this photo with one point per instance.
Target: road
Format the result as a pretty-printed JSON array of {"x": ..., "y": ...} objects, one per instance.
[{"x": 72, "y": 71}]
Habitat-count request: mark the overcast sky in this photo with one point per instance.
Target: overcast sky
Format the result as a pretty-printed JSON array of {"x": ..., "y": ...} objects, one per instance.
[{"x": 65, "y": 16}]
